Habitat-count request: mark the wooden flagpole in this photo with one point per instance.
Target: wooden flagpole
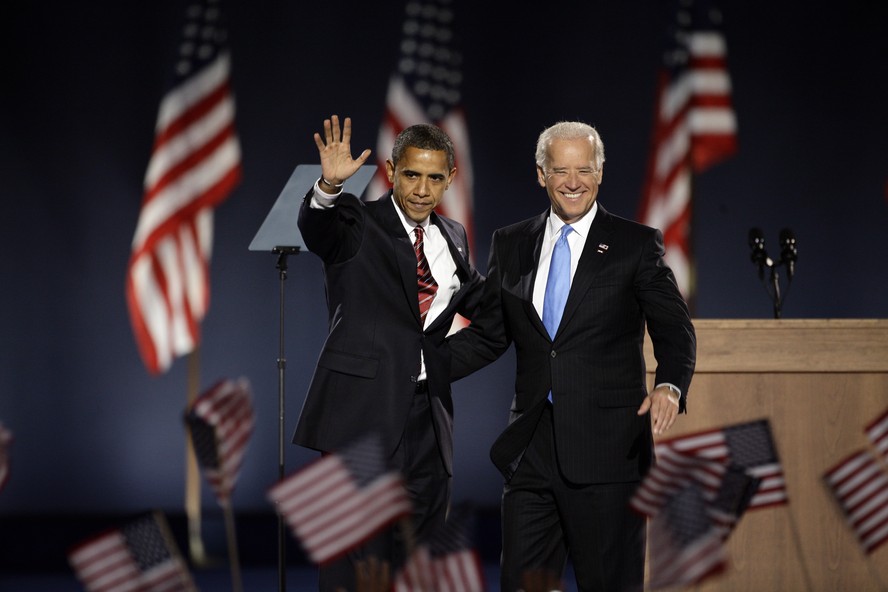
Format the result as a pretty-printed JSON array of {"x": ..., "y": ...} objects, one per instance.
[
  {"x": 192, "y": 472},
  {"x": 233, "y": 557}
]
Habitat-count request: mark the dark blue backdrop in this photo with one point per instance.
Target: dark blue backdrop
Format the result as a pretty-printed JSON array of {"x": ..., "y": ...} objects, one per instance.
[{"x": 82, "y": 81}]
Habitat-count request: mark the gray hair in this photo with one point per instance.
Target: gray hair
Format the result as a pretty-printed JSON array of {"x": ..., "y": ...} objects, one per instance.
[{"x": 569, "y": 130}]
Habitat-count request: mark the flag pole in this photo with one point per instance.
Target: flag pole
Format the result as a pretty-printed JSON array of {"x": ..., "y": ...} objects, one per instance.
[
  {"x": 409, "y": 534},
  {"x": 236, "y": 584},
  {"x": 192, "y": 474}
]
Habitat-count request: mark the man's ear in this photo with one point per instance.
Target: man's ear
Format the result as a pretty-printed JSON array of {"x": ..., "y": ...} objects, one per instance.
[
  {"x": 541, "y": 176},
  {"x": 450, "y": 178},
  {"x": 390, "y": 170}
]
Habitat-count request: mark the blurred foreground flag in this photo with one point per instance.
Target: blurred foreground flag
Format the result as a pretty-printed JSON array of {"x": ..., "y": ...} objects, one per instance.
[
  {"x": 694, "y": 128},
  {"x": 425, "y": 88},
  {"x": 860, "y": 486},
  {"x": 220, "y": 422},
  {"x": 194, "y": 165},
  {"x": 749, "y": 446},
  {"x": 877, "y": 432},
  {"x": 693, "y": 503},
  {"x": 446, "y": 562},
  {"x": 341, "y": 500},
  {"x": 140, "y": 556},
  {"x": 5, "y": 442},
  {"x": 686, "y": 546}
]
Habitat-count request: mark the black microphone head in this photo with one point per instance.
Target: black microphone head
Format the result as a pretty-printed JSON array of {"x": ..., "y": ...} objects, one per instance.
[
  {"x": 757, "y": 244},
  {"x": 788, "y": 244},
  {"x": 756, "y": 238}
]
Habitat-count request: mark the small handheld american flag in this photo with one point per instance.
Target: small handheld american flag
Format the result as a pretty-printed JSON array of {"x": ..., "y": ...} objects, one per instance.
[{"x": 341, "y": 500}]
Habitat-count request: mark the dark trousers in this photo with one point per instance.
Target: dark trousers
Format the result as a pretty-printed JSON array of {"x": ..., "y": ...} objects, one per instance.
[
  {"x": 419, "y": 460},
  {"x": 547, "y": 519}
]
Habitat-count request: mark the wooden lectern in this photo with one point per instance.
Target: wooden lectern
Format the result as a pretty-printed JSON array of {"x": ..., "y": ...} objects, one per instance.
[{"x": 819, "y": 382}]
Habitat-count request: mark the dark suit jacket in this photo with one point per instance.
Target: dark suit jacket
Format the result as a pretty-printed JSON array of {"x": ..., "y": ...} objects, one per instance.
[
  {"x": 595, "y": 365},
  {"x": 366, "y": 371}
]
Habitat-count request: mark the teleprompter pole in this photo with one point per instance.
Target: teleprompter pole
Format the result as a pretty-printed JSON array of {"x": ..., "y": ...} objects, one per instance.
[{"x": 282, "y": 253}]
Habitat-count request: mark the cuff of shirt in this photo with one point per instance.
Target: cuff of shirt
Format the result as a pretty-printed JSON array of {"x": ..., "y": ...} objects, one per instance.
[
  {"x": 671, "y": 387},
  {"x": 320, "y": 199}
]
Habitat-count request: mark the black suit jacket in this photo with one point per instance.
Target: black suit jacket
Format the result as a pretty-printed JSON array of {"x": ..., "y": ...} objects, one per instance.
[
  {"x": 595, "y": 365},
  {"x": 366, "y": 372}
]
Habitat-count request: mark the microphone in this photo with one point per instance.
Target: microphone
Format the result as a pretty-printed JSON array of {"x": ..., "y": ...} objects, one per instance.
[
  {"x": 789, "y": 252},
  {"x": 757, "y": 244}
]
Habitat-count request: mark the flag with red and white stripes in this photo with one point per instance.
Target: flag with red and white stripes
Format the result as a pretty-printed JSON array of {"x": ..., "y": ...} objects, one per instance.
[
  {"x": 860, "y": 486},
  {"x": 446, "y": 561},
  {"x": 341, "y": 500},
  {"x": 694, "y": 503},
  {"x": 141, "y": 555},
  {"x": 877, "y": 432},
  {"x": 686, "y": 546},
  {"x": 425, "y": 88},
  {"x": 195, "y": 163},
  {"x": 220, "y": 422},
  {"x": 695, "y": 127},
  {"x": 749, "y": 446},
  {"x": 5, "y": 442}
]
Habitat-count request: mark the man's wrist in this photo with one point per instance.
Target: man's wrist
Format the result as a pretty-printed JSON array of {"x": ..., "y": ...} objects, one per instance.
[
  {"x": 671, "y": 387},
  {"x": 329, "y": 186}
]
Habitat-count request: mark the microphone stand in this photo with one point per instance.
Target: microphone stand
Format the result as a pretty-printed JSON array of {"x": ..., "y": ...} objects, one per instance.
[
  {"x": 775, "y": 291},
  {"x": 759, "y": 256}
]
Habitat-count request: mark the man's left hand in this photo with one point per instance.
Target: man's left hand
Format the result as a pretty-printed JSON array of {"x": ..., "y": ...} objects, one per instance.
[{"x": 662, "y": 402}]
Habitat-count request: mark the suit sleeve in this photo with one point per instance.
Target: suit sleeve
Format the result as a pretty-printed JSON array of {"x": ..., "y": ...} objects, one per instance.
[
  {"x": 333, "y": 233},
  {"x": 485, "y": 339},
  {"x": 668, "y": 319}
]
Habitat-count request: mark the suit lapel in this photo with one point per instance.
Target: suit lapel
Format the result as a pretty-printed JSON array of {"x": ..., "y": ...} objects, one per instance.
[
  {"x": 401, "y": 246},
  {"x": 458, "y": 250},
  {"x": 594, "y": 254},
  {"x": 528, "y": 260}
]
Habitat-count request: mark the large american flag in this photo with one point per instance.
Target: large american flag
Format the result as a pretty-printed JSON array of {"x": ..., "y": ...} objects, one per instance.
[
  {"x": 220, "y": 422},
  {"x": 194, "y": 165},
  {"x": 5, "y": 441},
  {"x": 425, "y": 88},
  {"x": 749, "y": 446},
  {"x": 860, "y": 486},
  {"x": 695, "y": 127},
  {"x": 446, "y": 561},
  {"x": 140, "y": 555},
  {"x": 341, "y": 500},
  {"x": 877, "y": 432}
]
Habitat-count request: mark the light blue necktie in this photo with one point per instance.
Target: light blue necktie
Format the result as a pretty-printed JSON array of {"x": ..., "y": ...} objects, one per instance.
[{"x": 557, "y": 285}]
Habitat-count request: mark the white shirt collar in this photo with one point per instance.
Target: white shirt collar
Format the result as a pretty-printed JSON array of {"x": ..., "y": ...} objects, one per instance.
[
  {"x": 409, "y": 224},
  {"x": 581, "y": 226}
]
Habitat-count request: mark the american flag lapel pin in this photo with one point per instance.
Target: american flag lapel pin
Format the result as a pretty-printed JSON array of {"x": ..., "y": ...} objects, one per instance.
[{"x": 602, "y": 247}]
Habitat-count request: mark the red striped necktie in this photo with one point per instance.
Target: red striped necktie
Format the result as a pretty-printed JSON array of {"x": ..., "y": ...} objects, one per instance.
[{"x": 426, "y": 284}]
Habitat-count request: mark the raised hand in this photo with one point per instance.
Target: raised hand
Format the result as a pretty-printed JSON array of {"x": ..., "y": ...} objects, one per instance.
[{"x": 337, "y": 163}]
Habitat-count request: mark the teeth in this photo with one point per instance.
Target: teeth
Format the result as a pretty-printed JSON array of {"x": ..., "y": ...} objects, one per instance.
[{"x": 572, "y": 195}]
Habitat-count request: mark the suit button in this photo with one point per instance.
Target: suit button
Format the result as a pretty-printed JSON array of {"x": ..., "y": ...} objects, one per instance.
[{"x": 553, "y": 354}]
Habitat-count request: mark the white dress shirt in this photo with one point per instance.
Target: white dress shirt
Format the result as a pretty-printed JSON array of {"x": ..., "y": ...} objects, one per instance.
[{"x": 576, "y": 240}]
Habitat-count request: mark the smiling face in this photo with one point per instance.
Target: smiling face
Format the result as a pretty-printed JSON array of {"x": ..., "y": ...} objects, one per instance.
[
  {"x": 419, "y": 181},
  {"x": 570, "y": 177}
]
